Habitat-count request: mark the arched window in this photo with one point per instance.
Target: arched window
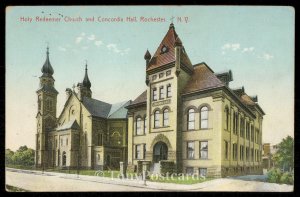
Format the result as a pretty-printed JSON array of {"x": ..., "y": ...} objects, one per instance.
[
  {"x": 39, "y": 103},
  {"x": 156, "y": 119},
  {"x": 145, "y": 124},
  {"x": 226, "y": 118},
  {"x": 204, "y": 118},
  {"x": 166, "y": 117},
  {"x": 191, "y": 119},
  {"x": 138, "y": 126}
]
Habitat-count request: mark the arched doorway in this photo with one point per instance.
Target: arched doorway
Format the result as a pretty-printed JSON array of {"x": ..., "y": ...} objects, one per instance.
[
  {"x": 160, "y": 152},
  {"x": 64, "y": 158}
]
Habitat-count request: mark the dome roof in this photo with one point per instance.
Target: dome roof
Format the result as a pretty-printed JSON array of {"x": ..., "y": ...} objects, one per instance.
[{"x": 47, "y": 68}]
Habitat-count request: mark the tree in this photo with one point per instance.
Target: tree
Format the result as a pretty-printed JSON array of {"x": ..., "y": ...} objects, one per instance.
[
  {"x": 284, "y": 156},
  {"x": 23, "y": 156},
  {"x": 8, "y": 156}
]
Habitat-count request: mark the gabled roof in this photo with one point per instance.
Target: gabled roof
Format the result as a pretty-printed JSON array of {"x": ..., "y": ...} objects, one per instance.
[
  {"x": 118, "y": 110},
  {"x": 162, "y": 58},
  {"x": 96, "y": 107},
  {"x": 142, "y": 98},
  {"x": 202, "y": 78},
  {"x": 105, "y": 110},
  {"x": 72, "y": 124}
]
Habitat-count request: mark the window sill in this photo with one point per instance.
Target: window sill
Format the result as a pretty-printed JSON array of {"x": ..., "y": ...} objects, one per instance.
[{"x": 139, "y": 135}]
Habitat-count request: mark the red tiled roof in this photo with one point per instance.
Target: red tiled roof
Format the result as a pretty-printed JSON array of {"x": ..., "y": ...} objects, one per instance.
[
  {"x": 202, "y": 78},
  {"x": 160, "y": 59}
]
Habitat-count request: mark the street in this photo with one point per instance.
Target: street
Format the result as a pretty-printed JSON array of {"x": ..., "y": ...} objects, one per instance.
[{"x": 36, "y": 181}]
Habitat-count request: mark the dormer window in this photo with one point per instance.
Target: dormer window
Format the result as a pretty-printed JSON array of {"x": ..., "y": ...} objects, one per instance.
[{"x": 164, "y": 49}]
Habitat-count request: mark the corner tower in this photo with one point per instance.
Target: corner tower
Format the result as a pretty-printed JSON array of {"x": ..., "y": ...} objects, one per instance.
[{"x": 46, "y": 115}]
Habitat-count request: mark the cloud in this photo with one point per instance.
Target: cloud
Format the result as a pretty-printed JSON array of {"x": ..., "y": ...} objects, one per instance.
[
  {"x": 78, "y": 40},
  {"x": 91, "y": 37},
  {"x": 98, "y": 42},
  {"x": 249, "y": 49},
  {"x": 82, "y": 34},
  {"x": 61, "y": 48},
  {"x": 114, "y": 48},
  {"x": 267, "y": 56},
  {"x": 231, "y": 46}
]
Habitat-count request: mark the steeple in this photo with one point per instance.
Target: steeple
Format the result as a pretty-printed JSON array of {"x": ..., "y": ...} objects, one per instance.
[
  {"x": 47, "y": 69},
  {"x": 84, "y": 88},
  {"x": 86, "y": 81}
]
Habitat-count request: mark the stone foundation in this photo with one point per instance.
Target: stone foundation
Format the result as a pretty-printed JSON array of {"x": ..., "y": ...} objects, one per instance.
[{"x": 241, "y": 170}]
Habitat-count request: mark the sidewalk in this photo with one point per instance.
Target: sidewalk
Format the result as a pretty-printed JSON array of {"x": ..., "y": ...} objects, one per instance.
[{"x": 126, "y": 182}]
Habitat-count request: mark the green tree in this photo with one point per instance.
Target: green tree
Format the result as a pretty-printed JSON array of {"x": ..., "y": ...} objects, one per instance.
[
  {"x": 8, "y": 156},
  {"x": 284, "y": 156},
  {"x": 24, "y": 156}
]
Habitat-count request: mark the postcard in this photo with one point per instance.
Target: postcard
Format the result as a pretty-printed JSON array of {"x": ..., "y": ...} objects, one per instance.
[{"x": 149, "y": 98}]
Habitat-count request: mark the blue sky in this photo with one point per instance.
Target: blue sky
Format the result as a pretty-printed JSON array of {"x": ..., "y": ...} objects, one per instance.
[{"x": 256, "y": 43}]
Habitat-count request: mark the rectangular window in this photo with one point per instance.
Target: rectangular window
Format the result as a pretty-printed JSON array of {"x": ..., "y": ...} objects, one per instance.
[
  {"x": 139, "y": 126},
  {"x": 61, "y": 142},
  {"x": 234, "y": 151},
  {"x": 169, "y": 93},
  {"x": 241, "y": 152},
  {"x": 190, "y": 150},
  {"x": 226, "y": 150},
  {"x": 252, "y": 154},
  {"x": 203, "y": 150},
  {"x": 154, "y": 94},
  {"x": 191, "y": 119},
  {"x": 189, "y": 170},
  {"x": 156, "y": 119},
  {"x": 247, "y": 153},
  {"x": 234, "y": 123},
  {"x": 145, "y": 125},
  {"x": 138, "y": 151},
  {"x": 161, "y": 92},
  {"x": 161, "y": 75},
  {"x": 242, "y": 127},
  {"x": 252, "y": 133},
  {"x": 144, "y": 151},
  {"x": 100, "y": 141},
  {"x": 203, "y": 172}
]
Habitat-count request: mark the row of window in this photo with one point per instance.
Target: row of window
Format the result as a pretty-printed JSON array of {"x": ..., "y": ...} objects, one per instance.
[
  {"x": 249, "y": 129},
  {"x": 202, "y": 171},
  {"x": 255, "y": 153},
  {"x": 48, "y": 104},
  {"x": 203, "y": 150},
  {"x": 160, "y": 75},
  {"x": 162, "y": 92},
  {"x": 203, "y": 118}
]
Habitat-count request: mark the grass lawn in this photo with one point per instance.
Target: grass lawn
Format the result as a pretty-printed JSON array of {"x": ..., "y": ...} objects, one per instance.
[{"x": 10, "y": 188}]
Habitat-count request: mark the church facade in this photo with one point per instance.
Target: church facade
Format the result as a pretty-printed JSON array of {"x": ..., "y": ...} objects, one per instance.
[
  {"x": 190, "y": 116},
  {"x": 88, "y": 133},
  {"x": 187, "y": 116}
]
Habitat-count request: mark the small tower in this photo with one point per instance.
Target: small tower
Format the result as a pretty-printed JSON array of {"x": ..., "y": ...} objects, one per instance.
[
  {"x": 178, "y": 46},
  {"x": 84, "y": 88},
  {"x": 147, "y": 57},
  {"x": 46, "y": 115}
]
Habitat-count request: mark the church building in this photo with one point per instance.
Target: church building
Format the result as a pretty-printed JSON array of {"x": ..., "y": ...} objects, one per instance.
[
  {"x": 190, "y": 117},
  {"x": 88, "y": 133}
]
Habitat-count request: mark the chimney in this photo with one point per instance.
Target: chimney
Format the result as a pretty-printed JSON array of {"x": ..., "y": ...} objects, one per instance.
[
  {"x": 68, "y": 93},
  {"x": 178, "y": 46}
]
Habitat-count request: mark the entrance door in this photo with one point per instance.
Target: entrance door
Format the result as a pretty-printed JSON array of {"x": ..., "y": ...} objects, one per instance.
[{"x": 160, "y": 152}]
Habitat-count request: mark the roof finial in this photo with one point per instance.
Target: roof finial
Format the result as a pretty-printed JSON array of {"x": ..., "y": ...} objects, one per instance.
[
  {"x": 47, "y": 48},
  {"x": 171, "y": 19},
  {"x": 85, "y": 64}
]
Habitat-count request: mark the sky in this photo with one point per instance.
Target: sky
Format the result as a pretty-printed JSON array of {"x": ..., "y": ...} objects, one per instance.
[{"x": 256, "y": 43}]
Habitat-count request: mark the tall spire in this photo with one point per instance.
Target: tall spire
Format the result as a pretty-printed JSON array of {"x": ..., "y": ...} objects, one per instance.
[
  {"x": 47, "y": 68},
  {"x": 86, "y": 81}
]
